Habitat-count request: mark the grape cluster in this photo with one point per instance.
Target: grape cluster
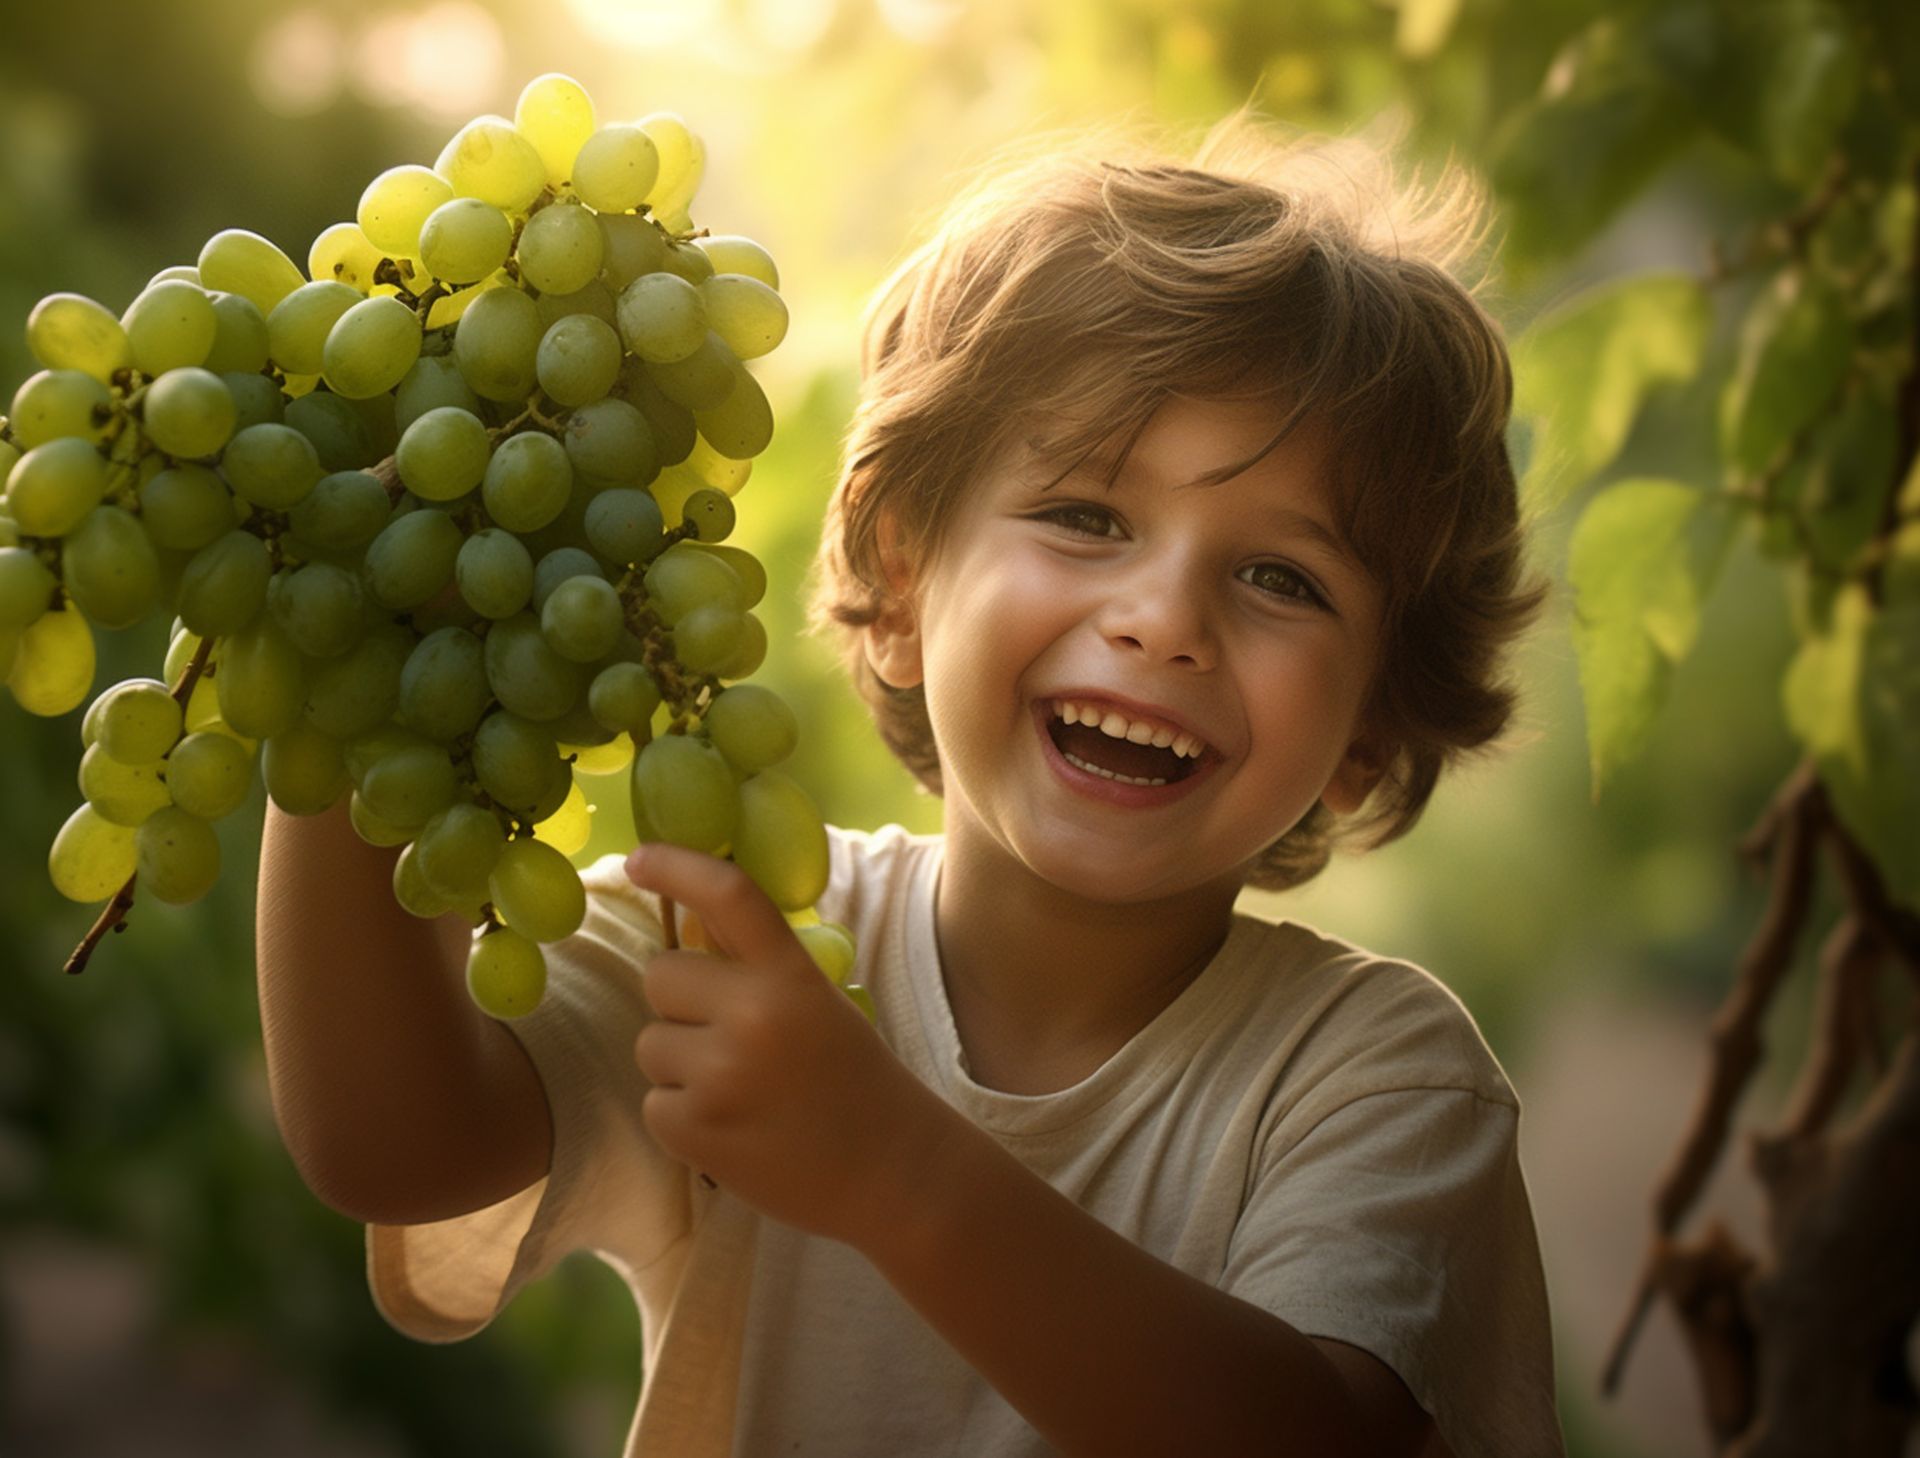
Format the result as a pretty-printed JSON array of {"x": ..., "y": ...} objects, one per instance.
[{"x": 442, "y": 523}]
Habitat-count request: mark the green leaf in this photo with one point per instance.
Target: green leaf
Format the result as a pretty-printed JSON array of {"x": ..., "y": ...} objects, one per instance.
[
  {"x": 1641, "y": 561},
  {"x": 1567, "y": 161},
  {"x": 1794, "y": 351},
  {"x": 1842, "y": 480},
  {"x": 1583, "y": 371},
  {"x": 1423, "y": 26},
  {"x": 1853, "y": 698}
]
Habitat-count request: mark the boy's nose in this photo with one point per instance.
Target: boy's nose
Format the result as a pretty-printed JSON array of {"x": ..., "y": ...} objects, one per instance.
[{"x": 1165, "y": 620}]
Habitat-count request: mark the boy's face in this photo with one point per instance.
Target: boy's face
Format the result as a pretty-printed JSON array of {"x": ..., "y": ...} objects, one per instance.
[{"x": 1208, "y": 608}]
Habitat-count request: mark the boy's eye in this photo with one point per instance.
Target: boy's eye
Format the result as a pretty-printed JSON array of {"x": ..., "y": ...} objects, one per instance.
[
  {"x": 1276, "y": 579},
  {"x": 1079, "y": 516},
  {"x": 1282, "y": 581}
]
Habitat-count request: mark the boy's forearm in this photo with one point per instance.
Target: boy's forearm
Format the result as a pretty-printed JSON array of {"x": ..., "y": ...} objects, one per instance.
[{"x": 1105, "y": 1349}]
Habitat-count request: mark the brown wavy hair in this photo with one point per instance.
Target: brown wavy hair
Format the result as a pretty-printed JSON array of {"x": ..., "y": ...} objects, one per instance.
[{"x": 1070, "y": 290}]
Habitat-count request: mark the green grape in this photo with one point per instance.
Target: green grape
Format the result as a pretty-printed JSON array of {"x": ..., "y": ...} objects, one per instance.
[
  {"x": 595, "y": 301},
  {"x": 671, "y": 422},
  {"x": 372, "y": 829},
  {"x": 443, "y": 688},
  {"x": 185, "y": 272},
  {"x": 457, "y": 850},
  {"x": 560, "y": 249},
  {"x": 411, "y": 890},
  {"x": 336, "y": 428},
  {"x": 344, "y": 254},
  {"x": 126, "y": 794},
  {"x": 624, "y": 526},
  {"x": 396, "y": 204},
  {"x": 177, "y": 855},
  {"x": 72, "y": 332},
  {"x": 169, "y": 326},
  {"x": 111, "y": 569},
  {"x": 139, "y": 720},
  {"x": 861, "y": 998},
  {"x": 578, "y": 727},
  {"x": 616, "y": 168},
  {"x": 745, "y": 312},
  {"x": 780, "y": 841},
  {"x": 536, "y": 891},
  {"x": 495, "y": 573},
  {"x": 506, "y": 974},
  {"x": 527, "y": 676},
  {"x": 746, "y": 566},
  {"x": 297, "y": 328},
  {"x": 731, "y": 253},
  {"x": 554, "y": 113},
  {"x": 488, "y": 159},
  {"x": 633, "y": 246},
  {"x": 239, "y": 337},
  {"x": 370, "y": 348},
  {"x": 261, "y": 682},
  {"x": 682, "y": 787},
  {"x": 582, "y": 619},
  {"x": 752, "y": 726},
  {"x": 831, "y": 946},
  {"x": 273, "y": 466},
  {"x": 434, "y": 380},
  {"x": 56, "y": 404},
  {"x": 91, "y": 857},
  {"x": 496, "y": 343},
  {"x": 569, "y": 827},
  {"x": 712, "y": 468},
  {"x": 623, "y": 696},
  {"x": 53, "y": 665},
  {"x": 680, "y": 580},
  {"x": 343, "y": 513},
  {"x": 203, "y": 709},
  {"x": 578, "y": 360},
  {"x": 513, "y": 759},
  {"x": 26, "y": 587},
  {"x": 683, "y": 260},
  {"x": 351, "y": 694},
  {"x": 9, "y": 650},
  {"x": 444, "y": 454},
  {"x": 321, "y": 608},
  {"x": 243, "y": 263},
  {"x": 412, "y": 558},
  {"x": 710, "y": 513},
  {"x": 364, "y": 751},
  {"x": 708, "y": 637},
  {"x": 662, "y": 317},
  {"x": 556, "y": 567},
  {"x": 53, "y": 486},
  {"x": 600, "y": 759},
  {"x": 449, "y": 307},
  {"x": 411, "y": 785},
  {"x": 751, "y": 653},
  {"x": 682, "y": 162},
  {"x": 209, "y": 775},
  {"x": 527, "y": 482},
  {"x": 464, "y": 240},
  {"x": 189, "y": 412},
  {"x": 181, "y": 647},
  {"x": 700, "y": 381},
  {"x": 256, "y": 400},
  {"x": 303, "y": 769},
  {"x": 740, "y": 426},
  {"x": 608, "y": 441}
]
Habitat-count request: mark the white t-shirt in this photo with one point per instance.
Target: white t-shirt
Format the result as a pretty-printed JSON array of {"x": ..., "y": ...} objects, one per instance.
[{"x": 1314, "y": 1129}]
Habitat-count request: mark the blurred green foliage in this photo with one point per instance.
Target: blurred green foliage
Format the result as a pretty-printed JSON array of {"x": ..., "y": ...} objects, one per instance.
[{"x": 1664, "y": 401}]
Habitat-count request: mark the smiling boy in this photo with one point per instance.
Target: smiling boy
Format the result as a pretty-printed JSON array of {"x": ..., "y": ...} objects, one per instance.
[{"x": 1176, "y": 546}]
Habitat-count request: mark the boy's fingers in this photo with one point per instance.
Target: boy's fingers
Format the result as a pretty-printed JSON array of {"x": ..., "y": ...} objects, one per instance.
[
  {"x": 740, "y": 919},
  {"x": 680, "y": 986}
]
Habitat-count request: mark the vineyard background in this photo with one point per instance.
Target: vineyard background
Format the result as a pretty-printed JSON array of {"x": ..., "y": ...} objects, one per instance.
[{"x": 166, "y": 1283}]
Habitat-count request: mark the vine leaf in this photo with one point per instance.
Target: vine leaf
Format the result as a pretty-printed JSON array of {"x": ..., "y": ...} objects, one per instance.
[
  {"x": 1582, "y": 372},
  {"x": 1852, "y": 697},
  {"x": 1642, "y": 559},
  {"x": 1794, "y": 350}
]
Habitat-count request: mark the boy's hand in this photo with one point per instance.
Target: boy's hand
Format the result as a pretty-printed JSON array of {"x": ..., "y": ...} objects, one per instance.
[{"x": 765, "y": 1076}]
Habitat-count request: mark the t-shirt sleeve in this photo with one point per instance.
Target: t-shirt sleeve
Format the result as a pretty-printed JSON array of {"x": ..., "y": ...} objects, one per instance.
[
  {"x": 1400, "y": 1224},
  {"x": 611, "y": 1189}
]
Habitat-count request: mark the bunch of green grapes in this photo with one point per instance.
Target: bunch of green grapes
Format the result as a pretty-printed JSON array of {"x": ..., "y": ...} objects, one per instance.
[{"x": 441, "y": 523}]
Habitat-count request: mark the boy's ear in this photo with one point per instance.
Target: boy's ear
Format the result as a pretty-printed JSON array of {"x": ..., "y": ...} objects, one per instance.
[
  {"x": 892, "y": 641},
  {"x": 1362, "y": 767}
]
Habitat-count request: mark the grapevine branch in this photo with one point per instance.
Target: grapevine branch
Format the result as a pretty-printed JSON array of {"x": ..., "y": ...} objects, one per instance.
[{"x": 114, "y": 917}]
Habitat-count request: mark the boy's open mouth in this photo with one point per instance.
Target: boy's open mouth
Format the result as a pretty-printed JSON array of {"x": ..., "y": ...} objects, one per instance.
[{"x": 1090, "y": 747}]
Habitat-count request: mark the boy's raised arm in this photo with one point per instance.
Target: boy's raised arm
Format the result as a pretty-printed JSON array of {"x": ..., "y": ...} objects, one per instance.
[{"x": 399, "y": 1101}]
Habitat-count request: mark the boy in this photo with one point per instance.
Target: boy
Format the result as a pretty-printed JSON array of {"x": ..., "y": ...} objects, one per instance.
[{"x": 1176, "y": 543}]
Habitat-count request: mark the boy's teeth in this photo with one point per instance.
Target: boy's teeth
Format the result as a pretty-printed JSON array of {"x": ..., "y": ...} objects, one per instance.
[
  {"x": 1079, "y": 763},
  {"x": 1118, "y": 726}
]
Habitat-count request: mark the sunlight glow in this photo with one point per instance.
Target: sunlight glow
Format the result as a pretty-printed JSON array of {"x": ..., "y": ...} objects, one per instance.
[
  {"x": 445, "y": 60},
  {"x": 646, "y": 25},
  {"x": 296, "y": 63},
  {"x": 922, "y": 21}
]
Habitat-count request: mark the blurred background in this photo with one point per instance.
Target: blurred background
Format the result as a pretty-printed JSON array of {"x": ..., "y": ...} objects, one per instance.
[{"x": 167, "y": 1285}]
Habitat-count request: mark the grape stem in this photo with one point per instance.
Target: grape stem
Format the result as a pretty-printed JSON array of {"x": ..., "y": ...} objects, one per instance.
[{"x": 114, "y": 917}]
